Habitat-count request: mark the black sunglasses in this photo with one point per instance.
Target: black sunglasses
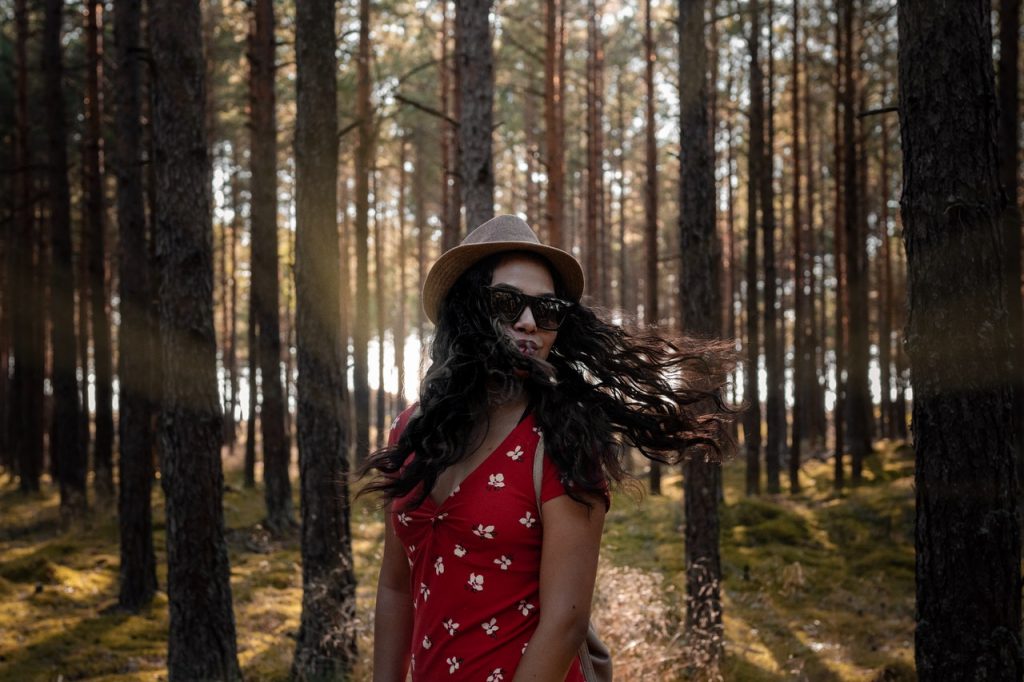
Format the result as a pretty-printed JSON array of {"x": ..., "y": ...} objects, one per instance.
[{"x": 507, "y": 305}]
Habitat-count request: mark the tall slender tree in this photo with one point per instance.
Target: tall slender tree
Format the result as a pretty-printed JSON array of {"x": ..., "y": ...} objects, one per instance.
[
  {"x": 25, "y": 419},
  {"x": 755, "y": 160},
  {"x": 96, "y": 212},
  {"x": 201, "y": 640},
  {"x": 651, "y": 312},
  {"x": 364, "y": 156},
  {"x": 326, "y": 645},
  {"x": 475, "y": 63},
  {"x": 701, "y": 311},
  {"x": 137, "y": 345},
  {"x": 801, "y": 356},
  {"x": 967, "y": 538},
  {"x": 775, "y": 417},
  {"x": 1009, "y": 168},
  {"x": 554, "y": 135},
  {"x": 265, "y": 276},
  {"x": 858, "y": 396},
  {"x": 65, "y": 448}
]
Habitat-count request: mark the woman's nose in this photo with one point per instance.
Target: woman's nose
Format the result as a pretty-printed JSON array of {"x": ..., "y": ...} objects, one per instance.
[{"x": 526, "y": 323}]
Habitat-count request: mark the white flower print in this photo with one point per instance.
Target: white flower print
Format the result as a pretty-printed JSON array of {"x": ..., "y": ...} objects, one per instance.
[
  {"x": 484, "y": 531},
  {"x": 490, "y": 627},
  {"x": 516, "y": 454},
  {"x": 403, "y": 519},
  {"x": 425, "y": 591},
  {"x": 476, "y": 582},
  {"x": 503, "y": 562},
  {"x": 536, "y": 429},
  {"x": 450, "y": 626},
  {"x": 457, "y": 489},
  {"x": 497, "y": 676},
  {"x": 426, "y": 642},
  {"x": 524, "y": 607},
  {"x": 528, "y": 520},
  {"x": 460, "y": 551},
  {"x": 524, "y": 648},
  {"x": 496, "y": 481},
  {"x": 438, "y": 565},
  {"x": 453, "y": 664}
]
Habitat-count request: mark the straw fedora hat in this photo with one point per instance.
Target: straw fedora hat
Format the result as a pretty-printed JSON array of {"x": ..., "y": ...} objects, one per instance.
[{"x": 501, "y": 233}]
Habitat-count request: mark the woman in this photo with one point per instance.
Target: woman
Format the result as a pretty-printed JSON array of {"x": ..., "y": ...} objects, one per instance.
[{"x": 483, "y": 578}]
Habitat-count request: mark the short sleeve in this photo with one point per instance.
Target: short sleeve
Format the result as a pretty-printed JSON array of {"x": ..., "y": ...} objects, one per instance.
[
  {"x": 551, "y": 485},
  {"x": 401, "y": 421}
]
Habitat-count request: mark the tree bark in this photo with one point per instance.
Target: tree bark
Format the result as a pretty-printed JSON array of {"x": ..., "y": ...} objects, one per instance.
[
  {"x": 858, "y": 395},
  {"x": 102, "y": 356},
  {"x": 138, "y": 388},
  {"x": 265, "y": 275},
  {"x": 201, "y": 642},
  {"x": 70, "y": 460},
  {"x": 701, "y": 316},
  {"x": 25, "y": 261},
  {"x": 475, "y": 63},
  {"x": 1009, "y": 152},
  {"x": 651, "y": 313},
  {"x": 326, "y": 645},
  {"x": 755, "y": 159},
  {"x": 775, "y": 416},
  {"x": 840, "y": 267},
  {"x": 801, "y": 363},
  {"x": 553, "y": 126},
  {"x": 364, "y": 156},
  {"x": 967, "y": 538}
]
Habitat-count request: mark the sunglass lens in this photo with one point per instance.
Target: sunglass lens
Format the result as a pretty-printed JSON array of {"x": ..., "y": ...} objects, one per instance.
[
  {"x": 548, "y": 314},
  {"x": 506, "y": 305}
]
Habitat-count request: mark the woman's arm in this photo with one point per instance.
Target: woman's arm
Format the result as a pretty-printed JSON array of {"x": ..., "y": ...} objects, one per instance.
[
  {"x": 568, "y": 569},
  {"x": 392, "y": 627}
]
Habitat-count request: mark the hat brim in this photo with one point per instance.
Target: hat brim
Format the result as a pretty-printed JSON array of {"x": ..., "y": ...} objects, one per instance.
[{"x": 450, "y": 266}]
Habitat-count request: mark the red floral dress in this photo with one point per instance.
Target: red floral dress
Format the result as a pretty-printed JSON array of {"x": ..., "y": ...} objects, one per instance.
[{"x": 474, "y": 565}]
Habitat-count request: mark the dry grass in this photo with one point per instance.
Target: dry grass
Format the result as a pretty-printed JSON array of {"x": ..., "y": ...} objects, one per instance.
[{"x": 815, "y": 587}]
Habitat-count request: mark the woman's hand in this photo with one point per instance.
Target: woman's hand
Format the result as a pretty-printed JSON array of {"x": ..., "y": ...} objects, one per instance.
[
  {"x": 568, "y": 570},
  {"x": 392, "y": 627}
]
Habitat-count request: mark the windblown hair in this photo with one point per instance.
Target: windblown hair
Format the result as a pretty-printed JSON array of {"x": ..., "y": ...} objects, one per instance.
[{"x": 602, "y": 388}]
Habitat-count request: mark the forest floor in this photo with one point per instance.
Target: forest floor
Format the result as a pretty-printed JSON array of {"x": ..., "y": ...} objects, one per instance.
[{"x": 816, "y": 586}]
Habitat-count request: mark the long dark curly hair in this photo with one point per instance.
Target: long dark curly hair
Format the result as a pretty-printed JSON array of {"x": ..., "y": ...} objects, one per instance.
[{"x": 602, "y": 388}]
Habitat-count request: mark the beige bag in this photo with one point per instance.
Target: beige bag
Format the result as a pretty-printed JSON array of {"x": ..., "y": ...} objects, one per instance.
[{"x": 595, "y": 658}]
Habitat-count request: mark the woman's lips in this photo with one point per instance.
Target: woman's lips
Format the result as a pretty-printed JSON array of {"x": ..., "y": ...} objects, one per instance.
[{"x": 526, "y": 347}]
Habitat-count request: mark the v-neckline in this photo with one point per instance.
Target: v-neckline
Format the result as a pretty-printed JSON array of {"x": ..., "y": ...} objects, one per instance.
[{"x": 472, "y": 472}]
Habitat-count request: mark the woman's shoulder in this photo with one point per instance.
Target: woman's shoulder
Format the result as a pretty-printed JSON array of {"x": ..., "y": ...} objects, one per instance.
[{"x": 400, "y": 422}]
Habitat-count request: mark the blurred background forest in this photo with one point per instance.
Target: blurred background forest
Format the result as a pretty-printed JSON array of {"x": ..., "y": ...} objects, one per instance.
[{"x": 589, "y": 121}]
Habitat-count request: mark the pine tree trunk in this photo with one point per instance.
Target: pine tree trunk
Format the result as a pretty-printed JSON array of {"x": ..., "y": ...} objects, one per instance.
[
  {"x": 858, "y": 396},
  {"x": 967, "y": 538},
  {"x": 265, "y": 276},
  {"x": 775, "y": 419},
  {"x": 651, "y": 313},
  {"x": 201, "y": 642},
  {"x": 326, "y": 645},
  {"x": 70, "y": 460},
  {"x": 885, "y": 286},
  {"x": 138, "y": 387},
  {"x": 102, "y": 357},
  {"x": 755, "y": 159},
  {"x": 475, "y": 63},
  {"x": 364, "y": 156},
  {"x": 380, "y": 317},
  {"x": 253, "y": 406},
  {"x": 839, "y": 259},
  {"x": 701, "y": 316},
  {"x": 800, "y": 360},
  {"x": 25, "y": 421},
  {"x": 553, "y": 123},
  {"x": 400, "y": 290},
  {"x": 231, "y": 364},
  {"x": 1009, "y": 153}
]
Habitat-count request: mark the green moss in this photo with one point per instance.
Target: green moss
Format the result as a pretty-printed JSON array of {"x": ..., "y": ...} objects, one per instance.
[{"x": 33, "y": 568}]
